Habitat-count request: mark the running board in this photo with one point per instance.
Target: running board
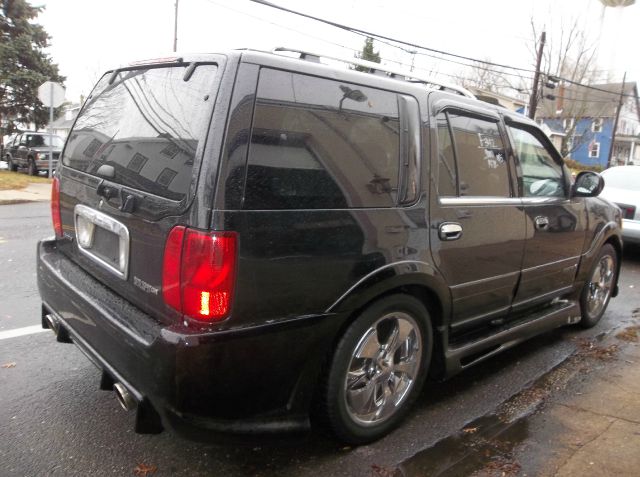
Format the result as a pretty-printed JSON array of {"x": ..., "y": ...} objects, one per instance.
[{"x": 464, "y": 355}]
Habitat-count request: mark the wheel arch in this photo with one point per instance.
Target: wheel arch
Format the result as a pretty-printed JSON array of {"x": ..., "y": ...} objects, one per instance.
[
  {"x": 616, "y": 242},
  {"x": 417, "y": 279},
  {"x": 609, "y": 234}
]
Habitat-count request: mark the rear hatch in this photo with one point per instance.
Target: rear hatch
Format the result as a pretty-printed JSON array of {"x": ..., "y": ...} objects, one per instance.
[{"x": 130, "y": 169}]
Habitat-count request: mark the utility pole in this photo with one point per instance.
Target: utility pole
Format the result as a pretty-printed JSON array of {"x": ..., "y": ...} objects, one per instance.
[
  {"x": 533, "y": 100},
  {"x": 615, "y": 123},
  {"x": 175, "y": 29}
]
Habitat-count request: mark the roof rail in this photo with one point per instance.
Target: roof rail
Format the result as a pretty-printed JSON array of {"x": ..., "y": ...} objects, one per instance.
[{"x": 377, "y": 68}]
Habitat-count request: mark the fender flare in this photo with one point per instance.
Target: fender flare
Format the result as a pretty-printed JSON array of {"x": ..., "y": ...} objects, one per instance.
[
  {"x": 391, "y": 277},
  {"x": 609, "y": 231}
]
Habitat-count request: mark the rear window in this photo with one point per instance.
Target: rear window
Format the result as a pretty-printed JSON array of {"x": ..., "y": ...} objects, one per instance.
[
  {"x": 40, "y": 140},
  {"x": 147, "y": 124}
]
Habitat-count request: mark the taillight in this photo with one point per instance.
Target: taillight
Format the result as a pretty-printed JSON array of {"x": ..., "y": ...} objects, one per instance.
[
  {"x": 55, "y": 207},
  {"x": 199, "y": 272},
  {"x": 628, "y": 211}
]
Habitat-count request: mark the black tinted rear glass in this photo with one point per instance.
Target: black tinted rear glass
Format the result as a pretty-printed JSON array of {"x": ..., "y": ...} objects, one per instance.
[
  {"x": 322, "y": 144},
  {"x": 147, "y": 124}
]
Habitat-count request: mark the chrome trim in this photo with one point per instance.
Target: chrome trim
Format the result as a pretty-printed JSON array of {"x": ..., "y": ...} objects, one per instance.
[
  {"x": 112, "y": 225},
  {"x": 470, "y": 201},
  {"x": 462, "y": 201},
  {"x": 549, "y": 264},
  {"x": 484, "y": 280},
  {"x": 450, "y": 231},
  {"x": 544, "y": 200}
]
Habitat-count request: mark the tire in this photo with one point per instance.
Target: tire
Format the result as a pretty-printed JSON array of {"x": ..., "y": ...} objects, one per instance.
[
  {"x": 367, "y": 390},
  {"x": 596, "y": 293},
  {"x": 32, "y": 169},
  {"x": 12, "y": 167}
]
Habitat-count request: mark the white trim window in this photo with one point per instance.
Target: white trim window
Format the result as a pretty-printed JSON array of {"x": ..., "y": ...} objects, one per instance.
[
  {"x": 596, "y": 125},
  {"x": 568, "y": 123},
  {"x": 594, "y": 149}
]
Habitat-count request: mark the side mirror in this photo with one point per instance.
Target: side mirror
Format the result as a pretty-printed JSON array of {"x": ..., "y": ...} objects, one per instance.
[{"x": 587, "y": 184}]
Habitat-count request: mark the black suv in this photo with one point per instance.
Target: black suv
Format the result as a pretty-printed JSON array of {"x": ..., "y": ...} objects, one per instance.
[
  {"x": 30, "y": 150},
  {"x": 252, "y": 242}
]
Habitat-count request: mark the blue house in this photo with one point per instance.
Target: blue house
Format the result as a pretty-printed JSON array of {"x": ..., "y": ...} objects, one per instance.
[{"x": 580, "y": 122}]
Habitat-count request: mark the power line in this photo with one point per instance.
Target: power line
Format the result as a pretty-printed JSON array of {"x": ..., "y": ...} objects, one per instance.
[
  {"x": 422, "y": 47},
  {"x": 376, "y": 35},
  {"x": 388, "y": 60}
]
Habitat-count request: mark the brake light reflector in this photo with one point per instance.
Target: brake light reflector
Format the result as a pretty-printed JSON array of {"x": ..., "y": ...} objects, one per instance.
[
  {"x": 55, "y": 207},
  {"x": 199, "y": 272}
]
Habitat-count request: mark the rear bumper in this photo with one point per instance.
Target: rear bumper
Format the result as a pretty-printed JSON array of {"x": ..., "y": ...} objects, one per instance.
[
  {"x": 44, "y": 164},
  {"x": 250, "y": 380}
]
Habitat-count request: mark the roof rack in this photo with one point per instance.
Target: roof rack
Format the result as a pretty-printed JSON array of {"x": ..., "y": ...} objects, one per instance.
[{"x": 377, "y": 68}]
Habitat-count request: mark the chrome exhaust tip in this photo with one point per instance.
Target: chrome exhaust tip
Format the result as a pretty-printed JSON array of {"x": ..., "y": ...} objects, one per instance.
[
  {"x": 124, "y": 397},
  {"x": 51, "y": 322}
]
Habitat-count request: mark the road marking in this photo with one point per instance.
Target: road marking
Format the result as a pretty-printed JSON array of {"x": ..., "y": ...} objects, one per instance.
[{"x": 27, "y": 330}]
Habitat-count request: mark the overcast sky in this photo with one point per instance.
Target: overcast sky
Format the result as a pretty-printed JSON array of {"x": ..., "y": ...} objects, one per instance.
[{"x": 90, "y": 36}]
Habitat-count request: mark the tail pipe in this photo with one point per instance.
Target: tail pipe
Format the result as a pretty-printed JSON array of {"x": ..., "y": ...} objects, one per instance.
[
  {"x": 124, "y": 397},
  {"x": 148, "y": 420}
]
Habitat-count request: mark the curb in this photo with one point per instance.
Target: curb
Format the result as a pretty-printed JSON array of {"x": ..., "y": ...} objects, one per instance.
[{"x": 18, "y": 201}]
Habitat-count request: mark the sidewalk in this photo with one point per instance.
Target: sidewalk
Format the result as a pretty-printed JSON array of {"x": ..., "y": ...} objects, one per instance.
[
  {"x": 592, "y": 428},
  {"x": 34, "y": 192},
  {"x": 581, "y": 419}
]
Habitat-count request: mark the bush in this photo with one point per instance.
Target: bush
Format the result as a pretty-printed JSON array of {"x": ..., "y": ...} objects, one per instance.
[{"x": 576, "y": 166}]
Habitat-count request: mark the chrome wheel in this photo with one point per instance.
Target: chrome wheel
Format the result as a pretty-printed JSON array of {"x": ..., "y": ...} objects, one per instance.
[
  {"x": 383, "y": 369},
  {"x": 599, "y": 287}
]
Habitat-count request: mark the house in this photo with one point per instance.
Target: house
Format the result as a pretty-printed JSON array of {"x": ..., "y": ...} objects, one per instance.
[
  {"x": 555, "y": 133},
  {"x": 586, "y": 118},
  {"x": 62, "y": 125},
  {"x": 513, "y": 104}
]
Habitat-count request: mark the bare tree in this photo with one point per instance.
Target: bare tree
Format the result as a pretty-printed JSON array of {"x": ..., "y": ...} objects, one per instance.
[
  {"x": 493, "y": 79},
  {"x": 571, "y": 56}
]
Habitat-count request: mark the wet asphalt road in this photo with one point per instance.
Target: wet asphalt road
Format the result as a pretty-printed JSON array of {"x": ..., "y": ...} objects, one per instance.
[{"x": 55, "y": 421}]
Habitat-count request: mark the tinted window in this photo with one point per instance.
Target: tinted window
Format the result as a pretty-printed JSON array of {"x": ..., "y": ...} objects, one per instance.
[
  {"x": 482, "y": 165},
  {"x": 447, "y": 176},
  {"x": 147, "y": 124},
  {"x": 41, "y": 140},
  {"x": 318, "y": 143},
  {"x": 541, "y": 175}
]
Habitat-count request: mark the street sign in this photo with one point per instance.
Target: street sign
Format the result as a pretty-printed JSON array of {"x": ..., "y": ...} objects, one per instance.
[{"x": 51, "y": 94}]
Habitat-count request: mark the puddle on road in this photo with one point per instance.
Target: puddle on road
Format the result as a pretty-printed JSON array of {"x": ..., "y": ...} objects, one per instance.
[{"x": 483, "y": 446}]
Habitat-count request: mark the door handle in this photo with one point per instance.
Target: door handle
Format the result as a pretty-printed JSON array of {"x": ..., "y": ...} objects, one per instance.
[
  {"x": 450, "y": 231},
  {"x": 541, "y": 222}
]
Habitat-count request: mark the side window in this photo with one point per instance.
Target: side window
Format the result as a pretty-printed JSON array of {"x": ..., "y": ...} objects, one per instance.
[
  {"x": 541, "y": 175},
  {"x": 447, "y": 176},
  {"x": 319, "y": 143},
  {"x": 480, "y": 156}
]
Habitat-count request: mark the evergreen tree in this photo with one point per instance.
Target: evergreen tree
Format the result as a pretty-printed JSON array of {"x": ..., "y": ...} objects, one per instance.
[
  {"x": 368, "y": 54},
  {"x": 23, "y": 66}
]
